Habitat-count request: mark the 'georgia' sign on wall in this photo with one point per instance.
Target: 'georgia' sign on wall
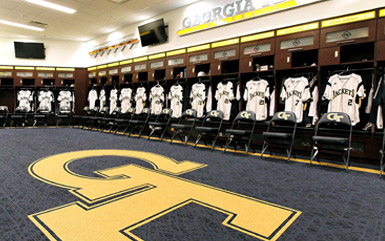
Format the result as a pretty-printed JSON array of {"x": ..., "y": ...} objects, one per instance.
[{"x": 235, "y": 11}]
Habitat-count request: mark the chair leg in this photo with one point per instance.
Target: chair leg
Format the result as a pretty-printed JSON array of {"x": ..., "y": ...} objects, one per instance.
[
  {"x": 197, "y": 140},
  {"x": 152, "y": 132},
  {"x": 229, "y": 140},
  {"x": 34, "y": 123},
  {"x": 173, "y": 136},
  {"x": 264, "y": 148},
  {"x": 314, "y": 153}
]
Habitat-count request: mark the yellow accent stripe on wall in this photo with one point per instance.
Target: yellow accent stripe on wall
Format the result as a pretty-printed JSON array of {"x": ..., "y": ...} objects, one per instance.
[
  {"x": 91, "y": 68},
  {"x": 6, "y": 67},
  {"x": 176, "y": 52},
  {"x": 126, "y": 62},
  {"x": 197, "y": 48},
  {"x": 113, "y": 64},
  {"x": 382, "y": 13},
  {"x": 298, "y": 29},
  {"x": 45, "y": 68},
  {"x": 349, "y": 19},
  {"x": 225, "y": 43},
  {"x": 24, "y": 68},
  {"x": 101, "y": 66},
  {"x": 157, "y": 56},
  {"x": 140, "y": 59},
  {"x": 258, "y": 36}
]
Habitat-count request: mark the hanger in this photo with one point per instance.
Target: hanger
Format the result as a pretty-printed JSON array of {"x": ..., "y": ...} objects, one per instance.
[
  {"x": 346, "y": 71},
  {"x": 257, "y": 77},
  {"x": 157, "y": 84},
  {"x": 200, "y": 80}
]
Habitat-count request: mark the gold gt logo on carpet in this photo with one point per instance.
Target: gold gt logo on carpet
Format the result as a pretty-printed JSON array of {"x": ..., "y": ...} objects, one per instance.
[{"x": 127, "y": 197}]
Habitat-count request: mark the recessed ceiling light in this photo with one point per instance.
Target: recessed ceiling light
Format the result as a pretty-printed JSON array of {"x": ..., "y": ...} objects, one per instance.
[
  {"x": 21, "y": 25},
  {"x": 52, "y": 6}
]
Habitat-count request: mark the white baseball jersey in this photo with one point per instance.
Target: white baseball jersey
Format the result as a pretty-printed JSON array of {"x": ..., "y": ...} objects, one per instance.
[
  {"x": 313, "y": 112},
  {"x": 140, "y": 99},
  {"x": 256, "y": 94},
  {"x": 272, "y": 103},
  {"x": 102, "y": 99},
  {"x": 209, "y": 98},
  {"x": 92, "y": 97},
  {"x": 224, "y": 95},
  {"x": 295, "y": 92},
  {"x": 341, "y": 91},
  {"x": 157, "y": 99},
  {"x": 113, "y": 100},
  {"x": 176, "y": 97},
  {"x": 198, "y": 95},
  {"x": 25, "y": 97},
  {"x": 45, "y": 99},
  {"x": 65, "y": 98},
  {"x": 125, "y": 99}
]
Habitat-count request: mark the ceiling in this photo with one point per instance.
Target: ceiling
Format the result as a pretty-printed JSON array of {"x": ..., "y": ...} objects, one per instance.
[{"x": 92, "y": 19}]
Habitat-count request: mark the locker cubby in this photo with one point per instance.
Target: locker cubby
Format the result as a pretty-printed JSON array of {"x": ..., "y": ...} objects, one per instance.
[
  {"x": 127, "y": 78},
  {"x": 160, "y": 74},
  {"x": 263, "y": 61},
  {"x": 143, "y": 76},
  {"x": 115, "y": 80},
  {"x": 229, "y": 67},
  {"x": 305, "y": 58},
  {"x": 48, "y": 82},
  {"x": 103, "y": 80},
  {"x": 357, "y": 52},
  {"x": 93, "y": 82},
  {"x": 28, "y": 82},
  {"x": 180, "y": 70},
  {"x": 68, "y": 82},
  {"x": 7, "y": 82}
]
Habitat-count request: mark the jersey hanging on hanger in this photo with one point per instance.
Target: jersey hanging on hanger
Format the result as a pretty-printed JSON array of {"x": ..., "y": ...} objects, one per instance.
[
  {"x": 25, "y": 97},
  {"x": 45, "y": 99},
  {"x": 92, "y": 97},
  {"x": 257, "y": 92},
  {"x": 272, "y": 103},
  {"x": 140, "y": 99},
  {"x": 295, "y": 93},
  {"x": 157, "y": 99},
  {"x": 176, "y": 97},
  {"x": 102, "y": 99},
  {"x": 342, "y": 91},
  {"x": 209, "y": 102},
  {"x": 125, "y": 99},
  {"x": 65, "y": 98},
  {"x": 224, "y": 95},
  {"x": 313, "y": 110},
  {"x": 198, "y": 95},
  {"x": 113, "y": 100}
]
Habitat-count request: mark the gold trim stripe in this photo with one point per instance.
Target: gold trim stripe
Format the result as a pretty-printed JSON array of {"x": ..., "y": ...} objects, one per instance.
[
  {"x": 65, "y": 69},
  {"x": 298, "y": 29},
  {"x": 157, "y": 56},
  {"x": 125, "y": 62},
  {"x": 140, "y": 59},
  {"x": 24, "y": 68},
  {"x": 113, "y": 64},
  {"x": 225, "y": 43},
  {"x": 258, "y": 36},
  {"x": 176, "y": 52},
  {"x": 197, "y": 48},
  {"x": 349, "y": 19}
]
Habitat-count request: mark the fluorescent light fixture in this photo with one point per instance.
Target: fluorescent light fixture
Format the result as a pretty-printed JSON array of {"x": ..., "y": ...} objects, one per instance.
[
  {"x": 52, "y": 5},
  {"x": 21, "y": 25}
]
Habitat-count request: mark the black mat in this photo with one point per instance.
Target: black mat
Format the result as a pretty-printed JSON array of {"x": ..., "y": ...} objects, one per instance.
[{"x": 335, "y": 205}]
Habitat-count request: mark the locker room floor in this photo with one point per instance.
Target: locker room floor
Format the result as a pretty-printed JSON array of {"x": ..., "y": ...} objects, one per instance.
[{"x": 333, "y": 205}]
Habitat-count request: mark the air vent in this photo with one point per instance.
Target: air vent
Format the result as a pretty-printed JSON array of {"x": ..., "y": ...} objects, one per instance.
[{"x": 119, "y": 1}]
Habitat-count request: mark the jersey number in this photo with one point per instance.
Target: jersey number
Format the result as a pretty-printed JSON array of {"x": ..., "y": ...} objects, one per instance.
[
  {"x": 350, "y": 102},
  {"x": 296, "y": 102},
  {"x": 261, "y": 102}
]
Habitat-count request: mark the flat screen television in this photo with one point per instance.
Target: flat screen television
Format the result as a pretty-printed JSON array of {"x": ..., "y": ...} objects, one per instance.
[
  {"x": 153, "y": 33},
  {"x": 29, "y": 50}
]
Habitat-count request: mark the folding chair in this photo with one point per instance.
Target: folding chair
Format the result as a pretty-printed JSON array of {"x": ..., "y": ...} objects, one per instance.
[
  {"x": 41, "y": 116},
  {"x": 63, "y": 115},
  {"x": 109, "y": 120},
  {"x": 161, "y": 123},
  {"x": 93, "y": 118},
  {"x": 88, "y": 118},
  {"x": 340, "y": 125},
  {"x": 281, "y": 128},
  {"x": 4, "y": 115},
  {"x": 20, "y": 116},
  {"x": 186, "y": 123},
  {"x": 99, "y": 117},
  {"x": 139, "y": 122},
  {"x": 243, "y": 126},
  {"x": 123, "y": 120},
  {"x": 212, "y": 124},
  {"x": 79, "y": 119}
]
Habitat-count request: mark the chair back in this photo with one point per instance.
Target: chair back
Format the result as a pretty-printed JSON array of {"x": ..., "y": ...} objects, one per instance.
[
  {"x": 335, "y": 118},
  {"x": 246, "y": 116},
  {"x": 21, "y": 109},
  {"x": 64, "y": 110},
  {"x": 214, "y": 115},
  {"x": 42, "y": 109},
  {"x": 284, "y": 116},
  {"x": 4, "y": 109},
  {"x": 189, "y": 113}
]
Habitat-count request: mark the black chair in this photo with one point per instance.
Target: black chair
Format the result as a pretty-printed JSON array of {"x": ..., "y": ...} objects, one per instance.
[
  {"x": 139, "y": 122},
  {"x": 161, "y": 123},
  {"x": 41, "y": 116},
  {"x": 281, "y": 132},
  {"x": 339, "y": 124},
  {"x": 108, "y": 122},
  {"x": 91, "y": 117},
  {"x": 242, "y": 130},
  {"x": 186, "y": 123},
  {"x": 20, "y": 116},
  {"x": 63, "y": 115},
  {"x": 123, "y": 120},
  {"x": 212, "y": 124},
  {"x": 79, "y": 119},
  {"x": 100, "y": 116},
  {"x": 4, "y": 112}
]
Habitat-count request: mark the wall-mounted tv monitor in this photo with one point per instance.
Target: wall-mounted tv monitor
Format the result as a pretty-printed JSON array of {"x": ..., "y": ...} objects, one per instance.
[
  {"x": 29, "y": 50},
  {"x": 153, "y": 33}
]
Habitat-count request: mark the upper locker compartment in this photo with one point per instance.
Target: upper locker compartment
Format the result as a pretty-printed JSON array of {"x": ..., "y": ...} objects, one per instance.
[
  {"x": 198, "y": 59},
  {"x": 126, "y": 72},
  {"x": 6, "y": 76},
  {"x": 25, "y": 76},
  {"x": 225, "y": 57},
  {"x": 113, "y": 75},
  {"x": 348, "y": 39},
  {"x": 297, "y": 47},
  {"x": 157, "y": 67},
  {"x": 380, "y": 44},
  {"x": 45, "y": 76},
  {"x": 140, "y": 70},
  {"x": 102, "y": 75},
  {"x": 257, "y": 52},
  {"x": 176, "y": 64},
  {"x": 92, "y": 81},
  {"x": 65, "y": 77}
]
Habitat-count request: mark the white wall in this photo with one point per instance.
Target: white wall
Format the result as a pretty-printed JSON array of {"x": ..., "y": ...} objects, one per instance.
[
  {"x": 58, "y": 54},
  {"x": 317, "y": 11}
]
